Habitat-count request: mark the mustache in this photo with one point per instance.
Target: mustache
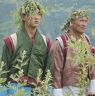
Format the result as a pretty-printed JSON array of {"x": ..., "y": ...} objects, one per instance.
[{"x": 83, "y": 27}]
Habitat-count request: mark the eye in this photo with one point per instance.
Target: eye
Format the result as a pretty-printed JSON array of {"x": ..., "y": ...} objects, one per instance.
[
  {"x": 82, "y": 20},
  {"x": 39, "y": 13}
]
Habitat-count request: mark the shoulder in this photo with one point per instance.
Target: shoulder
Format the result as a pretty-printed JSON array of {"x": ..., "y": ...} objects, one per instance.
[
  {"x": 55, "y": 45},
  {"x": 87, "y": 38},
  {"x": 47, "y": 41},
  {"x": 11, "y": 41},
  {"x": 63, "y": 40}
]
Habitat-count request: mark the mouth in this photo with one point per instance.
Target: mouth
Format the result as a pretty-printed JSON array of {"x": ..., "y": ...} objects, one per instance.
[
  {"x": 36, "y": 22},
  {"x": 83, "y": 28}
]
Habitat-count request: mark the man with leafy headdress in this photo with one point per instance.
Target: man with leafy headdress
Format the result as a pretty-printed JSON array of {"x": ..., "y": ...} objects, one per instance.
[
  {"x": 28, "y": 39},
  {"x": 71, "y": 69}
]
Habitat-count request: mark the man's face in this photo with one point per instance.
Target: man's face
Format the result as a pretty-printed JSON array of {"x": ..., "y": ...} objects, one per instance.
[
  {"x": 79, "y": 25},
  {"x": 35, "y": 19}
]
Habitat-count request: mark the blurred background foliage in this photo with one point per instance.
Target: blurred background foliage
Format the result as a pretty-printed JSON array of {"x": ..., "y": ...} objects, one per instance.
[{"x": 57, "y": 13}]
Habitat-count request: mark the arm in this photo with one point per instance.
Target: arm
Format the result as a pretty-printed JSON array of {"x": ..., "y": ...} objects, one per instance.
[
  {"x": 56, "y": 62},
  {"x": 6, "y": 57},
  {"x": 46, "y": 66},
  {"x": 91, "y": 76},
  {"x": 91, "y": 89}
]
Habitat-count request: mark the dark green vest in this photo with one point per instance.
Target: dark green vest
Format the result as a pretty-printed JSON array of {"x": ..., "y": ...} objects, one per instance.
[{"x": 35, "y": 56}]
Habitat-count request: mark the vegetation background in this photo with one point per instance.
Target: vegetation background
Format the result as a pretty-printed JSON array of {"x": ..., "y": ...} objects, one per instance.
[{"x": 57, "y": 13}]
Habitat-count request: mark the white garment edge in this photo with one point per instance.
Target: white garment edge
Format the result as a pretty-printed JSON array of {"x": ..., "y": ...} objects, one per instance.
[
  {"x": 58, "y": 92},
  {"x": 44, "y": 38},
  {"x": 91, "y": 88},
  {"x": 14, "y": 39},
  {"x": 60, "y": 41}
]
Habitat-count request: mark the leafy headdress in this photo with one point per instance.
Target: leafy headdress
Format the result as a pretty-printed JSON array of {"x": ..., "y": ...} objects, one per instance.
[
  {"x": 27, "y": 8},
  {"x": 74, "y": 15}
]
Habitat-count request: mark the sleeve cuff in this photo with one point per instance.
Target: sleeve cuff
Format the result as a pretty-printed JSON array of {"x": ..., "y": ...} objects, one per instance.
[
  {"x": 91, "y": 89},
  {"x": 57, "y": 92}
]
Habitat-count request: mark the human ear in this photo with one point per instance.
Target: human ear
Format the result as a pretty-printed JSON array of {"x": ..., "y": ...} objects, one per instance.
[
  {"x": 71, "y": 24},
  {"x": 23, "y": 17}
]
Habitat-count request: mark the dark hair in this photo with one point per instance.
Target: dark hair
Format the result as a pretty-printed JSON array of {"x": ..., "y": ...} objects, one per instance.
[{"x": 27, "y": 8}]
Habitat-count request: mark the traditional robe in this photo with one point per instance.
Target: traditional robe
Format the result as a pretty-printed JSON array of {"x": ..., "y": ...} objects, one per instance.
[
  {"x": 66, "y": 74},
  {"x": 36, "y": 54}
]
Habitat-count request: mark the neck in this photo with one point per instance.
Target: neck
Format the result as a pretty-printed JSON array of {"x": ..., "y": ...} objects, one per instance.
[
  {"x": 76, "y": 35},
  {"x": 30, "y": 30}
]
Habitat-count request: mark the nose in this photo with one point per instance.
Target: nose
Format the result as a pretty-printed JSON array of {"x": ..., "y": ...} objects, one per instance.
[
  {"x": 84, "y": 24},
  {"x": 36, "y": 18}
]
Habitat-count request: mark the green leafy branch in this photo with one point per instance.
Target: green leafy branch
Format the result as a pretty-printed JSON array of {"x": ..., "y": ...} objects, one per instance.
[
  {"x": 42, "y": 88},
  {"x": 84, "y": 58},
  {"x": 2, "y": 80},
  {"x": 21, "y": 63}
]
